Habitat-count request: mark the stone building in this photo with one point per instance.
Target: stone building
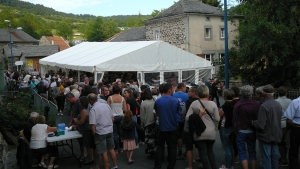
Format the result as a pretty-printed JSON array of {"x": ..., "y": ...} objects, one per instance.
[
  {"x": 19, "y": 38},
  {"x": 190, "y": 25},
  {"x": 52, "y": 40},
  {"x": 193, "y": 26},
  {"x": 30, "y": 55}
]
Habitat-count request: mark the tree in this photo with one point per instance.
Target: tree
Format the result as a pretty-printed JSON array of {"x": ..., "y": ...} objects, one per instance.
[
  {"x": 110, "y": 28},
  {"x": 155, "y": 13},
  {"x": 266, "y": 50},
  {"x": 94, "y": 30},
  {"x": 216, "y": 3},
  {"x": 136, "y": 21},
  {"x": 64, "y": 29},
  {"x": 6, "y": 14},
  {"x": 31, "y": 25}
]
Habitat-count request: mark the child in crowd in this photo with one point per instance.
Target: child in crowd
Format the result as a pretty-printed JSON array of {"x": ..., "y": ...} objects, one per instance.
[{"x": 127, "y": 132}]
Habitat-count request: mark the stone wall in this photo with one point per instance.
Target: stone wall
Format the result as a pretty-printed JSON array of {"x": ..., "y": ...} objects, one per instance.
[
  {"x": 2, "y": 54},
  {"x": 44, "y": 41},
  {"x": 172, "y": 30},
  {"x": 7, "y": 155}
]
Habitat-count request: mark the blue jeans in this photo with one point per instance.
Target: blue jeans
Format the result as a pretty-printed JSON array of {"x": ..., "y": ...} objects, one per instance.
[
  {"x": 246, "y": 138},
  {"x": 134, "y": 118},
  {"x": 116, "y": 129},
  {"x": 226, "y": 135},
  {"x": 268, "y": 155}
]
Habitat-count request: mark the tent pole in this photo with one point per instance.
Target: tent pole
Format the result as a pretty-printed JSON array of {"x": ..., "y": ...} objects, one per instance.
[
  {"x": 161, "y": 77},
  {"x": 95, "y": 75},
  {"x": 197, "y": 76},
  {"x": 78, "y": 76},
  {"x": 179, "y": 76},
  {"x": 102, "y": 75},
  {"x": 143, "y": 77}
]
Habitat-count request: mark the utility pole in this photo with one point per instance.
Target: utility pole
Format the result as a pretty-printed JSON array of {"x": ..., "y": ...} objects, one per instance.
[
  {"x": 226, "y": 46},
  {"x": 11, "y": 54}
]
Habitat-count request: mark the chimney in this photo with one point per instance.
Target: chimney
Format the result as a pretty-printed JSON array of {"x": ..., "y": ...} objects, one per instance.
[{"x": 52, "y": 42}]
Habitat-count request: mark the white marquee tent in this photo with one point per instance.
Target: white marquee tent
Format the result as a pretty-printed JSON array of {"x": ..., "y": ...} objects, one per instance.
[{"x": 140, "y": 56}]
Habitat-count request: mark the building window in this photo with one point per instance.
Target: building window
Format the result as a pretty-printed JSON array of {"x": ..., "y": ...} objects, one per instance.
[
  {"x": 157, "y": 35},
  {"x": 207, "y": 18},
  {"x": 209, "y": 57},
  {"x": 222, "y": 33},
  {"x": 222, "y": 19},
  {"x": 208, "y": 34},
  {"x": 222, "y": 56}
]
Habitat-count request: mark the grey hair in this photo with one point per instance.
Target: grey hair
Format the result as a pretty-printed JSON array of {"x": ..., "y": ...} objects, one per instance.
[
  {"x": 259, "y": 90},
  {"x": 203, "y": 91},
  {"x": 246, "y": 91}
]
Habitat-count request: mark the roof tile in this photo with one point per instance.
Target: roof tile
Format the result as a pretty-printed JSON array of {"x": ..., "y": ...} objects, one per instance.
[
  {"x": 58, "y": 41},
  {"x": 186, "y": 6},
  {"x": 18, "y": 35},
  {"x": 31, "y": 51},
  {"x": 133, "y": 34}
]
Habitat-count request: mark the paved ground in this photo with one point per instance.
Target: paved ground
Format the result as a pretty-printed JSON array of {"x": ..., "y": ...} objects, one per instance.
[{"x": 140, "y": 160}]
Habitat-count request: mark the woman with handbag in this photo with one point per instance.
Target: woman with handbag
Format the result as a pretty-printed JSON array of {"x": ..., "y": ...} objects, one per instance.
[
  {"x": 148, "y": 123},
  {"x": 208, "y": 111}
]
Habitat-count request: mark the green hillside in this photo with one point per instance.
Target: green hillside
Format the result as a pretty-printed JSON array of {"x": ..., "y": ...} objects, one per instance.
[{"x": 38, "y": 20}]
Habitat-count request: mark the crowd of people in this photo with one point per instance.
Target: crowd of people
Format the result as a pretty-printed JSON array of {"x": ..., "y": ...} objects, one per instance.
[{"x": 120, "y": 116}]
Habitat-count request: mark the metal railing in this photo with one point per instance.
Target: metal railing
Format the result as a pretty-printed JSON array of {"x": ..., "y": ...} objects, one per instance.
[{"x": 48, "y": 108}]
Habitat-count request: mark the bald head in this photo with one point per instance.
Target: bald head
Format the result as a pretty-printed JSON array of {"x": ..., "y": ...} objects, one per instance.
[{"x": 92, "y": 98}]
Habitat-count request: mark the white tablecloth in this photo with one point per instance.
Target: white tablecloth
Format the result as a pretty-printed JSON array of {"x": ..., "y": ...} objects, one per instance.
[{"x": 68, "y": 135}]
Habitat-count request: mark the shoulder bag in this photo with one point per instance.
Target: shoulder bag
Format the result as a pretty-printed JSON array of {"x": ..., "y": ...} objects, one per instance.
[{"x": 207, "y": 112}]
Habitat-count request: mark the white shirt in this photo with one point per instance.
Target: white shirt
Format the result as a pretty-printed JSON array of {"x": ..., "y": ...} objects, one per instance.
[
  {"x": 101, "y": 116},
  {"x": 67, "y": 90},
  {"x": 53, "y": 84},
  {"x": 76, "y": 93},
  {"x": 38, "y": 136},
  {"x": 26, "y": 78}
]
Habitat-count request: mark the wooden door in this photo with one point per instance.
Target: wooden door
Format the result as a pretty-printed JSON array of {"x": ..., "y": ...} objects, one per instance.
[{"x": 36, "y": 64}]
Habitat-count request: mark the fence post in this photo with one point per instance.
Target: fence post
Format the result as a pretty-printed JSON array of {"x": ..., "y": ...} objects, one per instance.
[{"x": 46, "y": 111}]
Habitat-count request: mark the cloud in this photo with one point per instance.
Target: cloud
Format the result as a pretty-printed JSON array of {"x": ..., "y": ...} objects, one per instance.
[{"x": 70, "y": 6}]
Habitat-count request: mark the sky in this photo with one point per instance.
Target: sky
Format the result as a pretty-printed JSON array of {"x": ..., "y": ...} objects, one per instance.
[{"x": 106, "y": 7}]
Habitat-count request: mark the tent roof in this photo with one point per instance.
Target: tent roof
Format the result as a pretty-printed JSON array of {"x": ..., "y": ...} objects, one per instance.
[{"x": 148, "y": 56}]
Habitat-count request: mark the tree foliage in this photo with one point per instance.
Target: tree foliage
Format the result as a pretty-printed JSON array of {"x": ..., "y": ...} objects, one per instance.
[
  {"x": 155, "y": 13},
  {"x": 98, "y": 30},
  {"x": 64, "y": 29},
  {"x": 6, "y": 14},
  {"x": 34, "y": 27},
  {"x": 267, "y": 48},
  {"x": 216, "y": 3},
  {"x": 38, "y": 9},
  {"x": 136, "y": 21}
]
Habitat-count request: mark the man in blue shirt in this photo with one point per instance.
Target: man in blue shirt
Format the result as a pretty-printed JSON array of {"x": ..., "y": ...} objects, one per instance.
[
  {"x": 167, "y": 108},
  {"x": 182, "y": 97},
  {"x": 292, "y": 114}
]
